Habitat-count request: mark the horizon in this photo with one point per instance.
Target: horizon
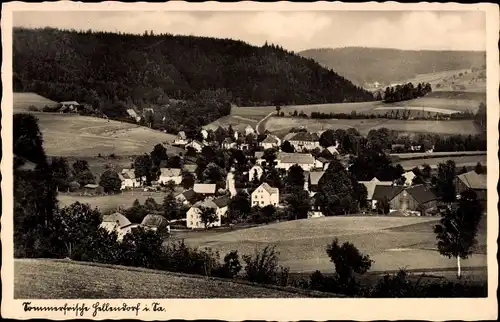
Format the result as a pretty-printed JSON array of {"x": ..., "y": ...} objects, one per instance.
[{"x": 293, "y": 30}]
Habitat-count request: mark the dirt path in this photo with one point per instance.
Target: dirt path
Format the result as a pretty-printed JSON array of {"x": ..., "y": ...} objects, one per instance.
[{"x": 262, "y": 123}]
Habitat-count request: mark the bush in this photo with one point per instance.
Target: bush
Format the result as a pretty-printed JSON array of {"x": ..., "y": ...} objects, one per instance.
[
  {"x": 33, "y": 108},
  {"x": 74, "y": 186},
  {"x": 263, "y": 267},
  {"x": 231, "y": 266},
  {"x": 181, "y": 258}
]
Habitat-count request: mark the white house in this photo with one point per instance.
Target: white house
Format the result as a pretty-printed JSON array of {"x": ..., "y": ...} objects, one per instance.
[
  {"x": 304, "y": 141},
  {"x": 70, "y": 105},
  {"x": 118, "y": 223},
  {"x": 193, "y": 215},
  {"x": 204, "y": 134},
  {"x": 168, "y": 174},
  {"x": 271, "y": 141},
  {"x": 255, "y": 171},
  {"x": 204, "y": 188},
  {"x": 265, "y": 195},
  {"x": 181, "y": 139},
  {"x": 128, "y": 179},
  {"x": 249, "y": 130},
  {"x": 197, "y": 145},
  {"x": 286, "y": 160},
  {"x": 409, "y": 176}
]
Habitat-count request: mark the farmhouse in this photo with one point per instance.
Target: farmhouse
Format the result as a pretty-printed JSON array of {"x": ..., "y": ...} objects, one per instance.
[
  {"x": 71, "y": 106},
  {"x": 271, "y": 141},
  {"x": 168, "y": 174},
  {"x": 286, "y": 160},
  {"x": 304, "y": 141},
  {"x": 193, "y": 215},
  {"x": 187, "y": 197},
  {"x": 255, "y": 172},
  {"x": 197, "y": 145},
  {"x": 383, "y": 192},
  {"x": 474, "y": 181},
  {"x": 370, "y": 188},
  {"x": 205, "y": 189},
  {"x": 265, "y": 195},
  {"x": 127, "y": 176},
  {"x": 117, "y": 223},
  {"x": 418, "y": 198}
]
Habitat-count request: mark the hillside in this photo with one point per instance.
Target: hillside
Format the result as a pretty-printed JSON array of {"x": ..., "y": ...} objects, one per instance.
[
  {"x": 59, "y": 279},
  {"x": 106, "y": 68},
  {"x": 386, "y": 66}
]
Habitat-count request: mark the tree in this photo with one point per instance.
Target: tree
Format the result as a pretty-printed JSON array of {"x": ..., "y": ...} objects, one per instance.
[
  {"x": 187, "y": 180},
  {"x": 208, "y": 216},
  {"x": 287, "y": 147},
  {"x": 28, "y": 139},
  {"x": 80, "y": 166},
  {"x": 426, "y": 171},
  {"x": 347, "y": 260},
  {"x": 239, "y": 207},
  {"x": 170, "y": 207},
  {"x": 142, "y": 167},
  {"x": 270, "y": 157},
  {"x": 298, "y": 204},
  {"x": 479, "y": 168},
  {"x": 75, "y": 224},
  {"x": 327, "y": 138},
  {"x": 60, "y": 173},
  {"x": 457, "y": 230},
  {"x": 85, "y": 178},
  {"x": 333, "y": 187},
  {"x": 383, "y": 206},
  {"x": 445, "y": 186},
  {"x": 268, "y": 213},
  {"x": 295, "y": 177},
  {"x": 158, "y": 154},
  {"x": 110, "y": 181},
  {"x": 215, "y": 174}
]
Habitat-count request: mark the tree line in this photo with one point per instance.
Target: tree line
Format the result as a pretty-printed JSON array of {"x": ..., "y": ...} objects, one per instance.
[{"x": 406, "y": 92}]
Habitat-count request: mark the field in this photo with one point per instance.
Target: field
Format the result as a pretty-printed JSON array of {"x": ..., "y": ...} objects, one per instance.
[
  {"x": 281, "y": 126},
  {"x": 470, "y": 81},
  {"x": 392, "y": 242},
  {"x": 58, "y": 279},
  {"x": 75, "y": 135},
  {"x": 467, "y": 161},
  {"x": 22, "y": 101},
  {"x": 423, "y": 155},
  {"x": 112, "y": 202}
]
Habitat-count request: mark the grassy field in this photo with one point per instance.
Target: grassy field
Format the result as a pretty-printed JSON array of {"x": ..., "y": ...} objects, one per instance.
[
  {"x": 467, "y": 161},
  {"x": 392, "y": 242},
  {"x": 75, "y": 135},
  {"x": 281, "y": 126},
  {"x": 423, "y": 155},
  {"x": 472, "y": 82},
  {"x": 22, "y": 102},
  {"x": 49, "y": 279},
  {"x": 112, "y": 202}
]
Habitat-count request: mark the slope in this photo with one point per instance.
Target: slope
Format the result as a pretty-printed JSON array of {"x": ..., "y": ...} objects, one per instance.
[
  {"x": 103, "y": 68},
  {"x": 383, "y": 65},
  {"x": 59, "y": 279}
]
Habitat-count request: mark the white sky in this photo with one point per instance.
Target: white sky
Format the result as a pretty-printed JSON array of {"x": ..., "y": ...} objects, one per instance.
[{"x": 436, "y": 30}]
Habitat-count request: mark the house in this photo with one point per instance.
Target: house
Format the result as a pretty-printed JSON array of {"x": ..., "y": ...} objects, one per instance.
[
  {"x": 129, "y": 181},
  {"x": 286, "y": 160},
  {"x": 249, "y": 130},
  {"x": 417, "y": 198},
  {"x": 204, "y": 189},
  {"x": 197, "y": 145},
  {"x": 409, "y": 176},
  {"x": 93, "y": 189},
  {"x": 271, "y": 141},
  {"x": 387, "y": 192},
  {"x": 370, "y": 188},
  {"x": 168, "y": 174},
  {"x": 131, "y": 112},
  {"x": 204, "y": 134},
  {"x": 187, "y": 197},
  {"x": 118, "y": 223},
  {"x": 313, "y": 180},
  {"x": 228, "y": 143},
  {"x": 155, "y": 223},
  {"x": 265, "y": 195},
  {"x": 71, "y": 106},
  {"x": 474, "y": 181},
  {"x": 304, "y": 141},
  {"x": 181, "y": 139},
  {"x": 255, "y": 171},
  {"x": 193, "y": 215}
]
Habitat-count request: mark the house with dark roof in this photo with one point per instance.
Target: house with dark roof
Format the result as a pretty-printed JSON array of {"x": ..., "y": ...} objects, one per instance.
[
  {"x": 286, "y": 160},
  {"x": 370, "y": 188},
  {"x": 474, "y": 181},
  {"x": 417, "y": 198},
  {"x": 304, "y": 141},
  {"x": 187, "y": 197},
  {"x": 382, "y": 192}
]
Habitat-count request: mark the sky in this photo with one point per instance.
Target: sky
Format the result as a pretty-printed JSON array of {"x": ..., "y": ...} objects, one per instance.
[{"x": 411, "y": 30}]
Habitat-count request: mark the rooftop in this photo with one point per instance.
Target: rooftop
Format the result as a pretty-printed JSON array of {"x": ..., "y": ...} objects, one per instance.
[
  {"x": 421, "y": 194},
  {"x": 205, "y": 188},
  {"x": 118, "y": 218},
  {"x": 473, "y": 180},
  {"x": 170, "y": 172},
  {"x": 305, "y": 136},
  {"x": 389, "y": 192}
]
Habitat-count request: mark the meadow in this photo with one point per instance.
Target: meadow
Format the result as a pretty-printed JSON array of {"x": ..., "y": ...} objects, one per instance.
[
  {"x": 392, "y": 242},
  {"x": 282, "y": 125},
  {"x": 76, "y": 135},
  {"x": 462, "y": 161},
  {"x": 23, "y": 101},
  {"x": 59, "y": 279}
]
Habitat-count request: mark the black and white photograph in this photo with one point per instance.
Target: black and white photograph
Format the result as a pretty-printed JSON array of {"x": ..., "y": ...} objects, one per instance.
[{"x": 227, "y": 153}]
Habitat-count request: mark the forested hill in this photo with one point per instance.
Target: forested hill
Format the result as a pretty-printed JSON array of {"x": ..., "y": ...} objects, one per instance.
[
  {"x": 148, "y": 69},
  {"x": 367, "y": 65}
]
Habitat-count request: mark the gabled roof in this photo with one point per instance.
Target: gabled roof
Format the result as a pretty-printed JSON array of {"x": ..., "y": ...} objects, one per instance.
[
  {"x": 118, "y": 218},
  {"x": 206, "y": 188},
  {"x": 128, "y": 174},
  {"x": 268, "y": 188},
  {"x": 271, "y": 139},
  {"x": 222, "y": 201},
  {"x": 305, "y": 136},
  {"x": 421, "y": 193},
  {"x": 168, "y": 172},
  {"x": 315, "y": 176},
  {"x": 390, "y": 192},
  {"x": 155, "y": 221},
  {"x": 370, "y": 186},
  {"x": 332, "y": 150},
  {"x": 190, "y": 167},
  {"x": 295, "y": 158},
  {"x": 473, "y": 180},
  {"x": 207, "y": 203}
]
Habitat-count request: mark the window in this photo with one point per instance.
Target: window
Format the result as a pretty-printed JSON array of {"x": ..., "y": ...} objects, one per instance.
[{"x": 262, "y": 202}]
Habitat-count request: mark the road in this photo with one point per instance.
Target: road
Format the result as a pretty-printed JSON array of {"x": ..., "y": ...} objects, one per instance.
[{"x": 258, "y": 128}]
